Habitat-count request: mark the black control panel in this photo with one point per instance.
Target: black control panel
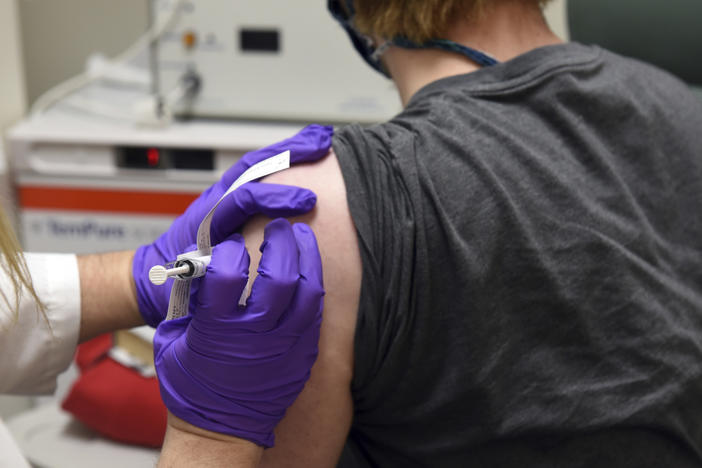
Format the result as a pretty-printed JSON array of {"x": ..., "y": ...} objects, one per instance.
[
  {"x": 259, "y": 40},
  {"x": 150, "y": 157}
]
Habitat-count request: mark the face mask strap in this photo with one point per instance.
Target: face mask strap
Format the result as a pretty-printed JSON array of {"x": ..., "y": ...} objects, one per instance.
[
  {"x": 477, "y": 56},
  {"x": 371, "y": 54},
  {"x": 380, "y": 50}
]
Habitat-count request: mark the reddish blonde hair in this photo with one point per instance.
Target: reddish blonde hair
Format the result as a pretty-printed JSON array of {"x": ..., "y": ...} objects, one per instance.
[{"x": 417, "y": 20}]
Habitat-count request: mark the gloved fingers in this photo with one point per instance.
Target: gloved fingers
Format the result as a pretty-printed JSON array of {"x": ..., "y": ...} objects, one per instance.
[
  {"x": 278, "y": 274},
  {"x": 305, "y": 311},
  {"x": 309, "y": 144},
  {"x": 224, "y": 281},
  {"x": 312, "y": 143},
  {"x": 167, "y": 332},
  {"x": 272, "y": 200}
]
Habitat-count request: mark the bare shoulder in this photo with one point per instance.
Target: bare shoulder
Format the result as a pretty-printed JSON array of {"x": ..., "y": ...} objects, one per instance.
[{"x": 321, "y": 416}]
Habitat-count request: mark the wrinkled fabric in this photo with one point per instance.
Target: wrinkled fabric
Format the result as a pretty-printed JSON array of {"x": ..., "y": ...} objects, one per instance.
[{"x": 531, "y": 243}]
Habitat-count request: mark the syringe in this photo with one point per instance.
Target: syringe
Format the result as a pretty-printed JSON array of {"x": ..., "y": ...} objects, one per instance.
[
  {"x": 185, "y": 267},
  {"x": 194, "y": 264}
]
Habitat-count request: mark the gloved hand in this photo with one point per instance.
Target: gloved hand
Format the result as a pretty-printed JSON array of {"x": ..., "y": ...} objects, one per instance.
[
  {"x": 233, "y": 369},
  {"x": 310, "y": 144}
]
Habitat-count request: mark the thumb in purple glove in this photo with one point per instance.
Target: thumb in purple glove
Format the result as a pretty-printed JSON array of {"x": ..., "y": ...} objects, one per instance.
[
  {"x": 310, "y": 144},
  {"x": 235, "y": 370}
]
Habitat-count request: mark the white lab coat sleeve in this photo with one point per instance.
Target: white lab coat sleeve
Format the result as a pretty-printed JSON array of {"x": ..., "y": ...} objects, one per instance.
[{"x": 34, "y": 349}]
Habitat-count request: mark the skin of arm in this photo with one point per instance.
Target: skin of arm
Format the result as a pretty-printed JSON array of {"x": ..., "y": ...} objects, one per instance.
[
  {"x": 187, "y": 445},
  {"x": 107, "y": 294},
  {"x": 315, "y": 427},
  {"x": 108, "y": 303}
]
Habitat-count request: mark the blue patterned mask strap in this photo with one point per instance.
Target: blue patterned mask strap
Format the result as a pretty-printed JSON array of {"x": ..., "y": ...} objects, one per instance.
[{"x": 481, "y": 58}]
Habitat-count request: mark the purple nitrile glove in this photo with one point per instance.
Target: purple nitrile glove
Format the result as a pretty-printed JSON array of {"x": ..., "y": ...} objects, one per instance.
[
  {"x": 310, "y": 144},
  {"x": 236, "y": 369}
]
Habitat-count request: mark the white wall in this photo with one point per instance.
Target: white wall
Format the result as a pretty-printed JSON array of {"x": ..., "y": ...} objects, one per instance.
[
  {"x": 58, "y": 35},
  {"x": 555, "y": 13},
  {"x": 12, "y": 98},
  {"x": 12, "y": 89}
]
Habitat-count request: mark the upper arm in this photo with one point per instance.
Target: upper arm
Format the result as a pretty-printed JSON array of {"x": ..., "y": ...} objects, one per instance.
[{"x": 315, "y": 427}]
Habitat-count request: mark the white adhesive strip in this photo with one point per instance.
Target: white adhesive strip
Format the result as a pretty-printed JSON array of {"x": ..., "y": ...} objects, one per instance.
[
  {"x": 180, "y": 293},
  {"x": 266, "y": 167}
]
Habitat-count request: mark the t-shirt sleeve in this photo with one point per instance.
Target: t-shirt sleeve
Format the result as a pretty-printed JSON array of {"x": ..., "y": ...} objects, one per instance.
[{"x": 380, "y": 207}]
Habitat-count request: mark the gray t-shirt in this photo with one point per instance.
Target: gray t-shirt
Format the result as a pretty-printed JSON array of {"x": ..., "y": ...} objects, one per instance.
[{"x": 531, "y": 238}]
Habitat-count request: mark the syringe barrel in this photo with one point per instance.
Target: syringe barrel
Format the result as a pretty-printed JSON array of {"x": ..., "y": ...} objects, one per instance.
[{"x": 197, "y": 266}]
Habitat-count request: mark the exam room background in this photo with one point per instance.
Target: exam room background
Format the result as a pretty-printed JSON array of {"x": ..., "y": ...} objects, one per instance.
[{"x": 44, "y": 42}]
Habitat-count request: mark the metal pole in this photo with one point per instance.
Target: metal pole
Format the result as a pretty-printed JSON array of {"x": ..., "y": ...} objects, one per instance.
[{"x": 153, "y": 59}]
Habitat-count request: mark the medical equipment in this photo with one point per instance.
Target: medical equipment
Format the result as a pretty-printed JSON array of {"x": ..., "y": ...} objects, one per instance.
[
  {"x": 183, "y": 268},
  {"x": 85, "y": 185},
  {"x": 267, "y": 60}
]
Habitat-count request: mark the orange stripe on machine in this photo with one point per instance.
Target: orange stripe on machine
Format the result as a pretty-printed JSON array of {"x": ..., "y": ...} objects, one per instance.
[{"x": 110, "y": 201}]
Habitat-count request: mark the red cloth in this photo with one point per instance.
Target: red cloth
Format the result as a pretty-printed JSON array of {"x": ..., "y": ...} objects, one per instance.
[
  {"x": 116, "y": 401},
  {"x": 93, "y": 351}
]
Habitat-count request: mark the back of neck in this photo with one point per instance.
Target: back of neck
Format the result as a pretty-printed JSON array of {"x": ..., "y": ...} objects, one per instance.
[{"x": 505, "y": 30}]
